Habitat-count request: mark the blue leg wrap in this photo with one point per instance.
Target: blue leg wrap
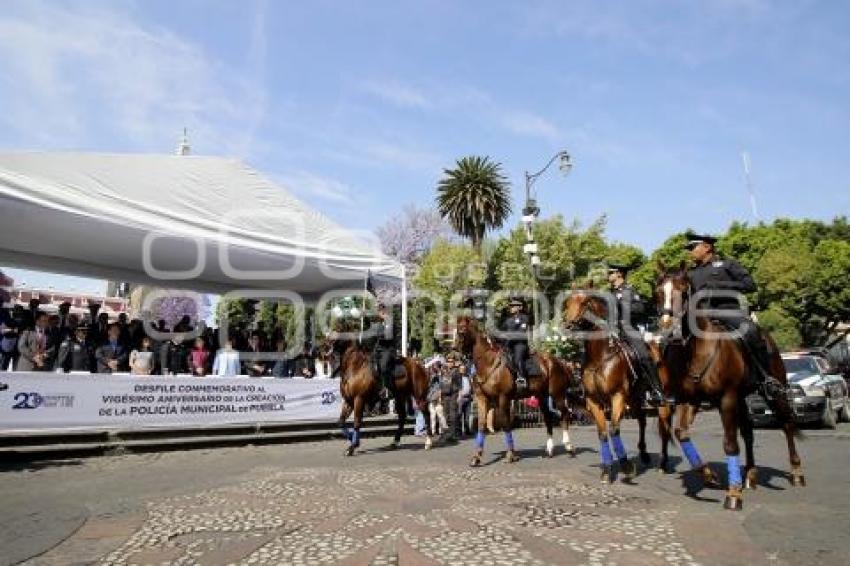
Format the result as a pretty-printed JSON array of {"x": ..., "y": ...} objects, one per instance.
[
  {"x": 619, "y": 449},
  {"x": 479, "y": 440},
  {"x": 355, "y": 437},
  {"x": 605, "y": 452},
  {"x": 733, "y": 467},
  {"x": 509, "y": 440},
  {"x": 690, "y": 452}
]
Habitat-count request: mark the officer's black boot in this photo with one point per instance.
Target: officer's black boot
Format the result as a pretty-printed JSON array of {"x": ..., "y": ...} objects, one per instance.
[
  {"x": 759, "y": 363},
  {"x": 654, "y": 392},
  {"x": 521, "y": 382}
]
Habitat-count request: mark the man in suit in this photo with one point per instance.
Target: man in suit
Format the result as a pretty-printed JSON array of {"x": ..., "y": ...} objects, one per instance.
[
  {"x": 112, "y": 356},
  {"x": 37, "y": 347}
]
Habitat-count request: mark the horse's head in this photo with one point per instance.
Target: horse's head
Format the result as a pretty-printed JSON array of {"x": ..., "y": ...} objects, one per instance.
[
  {"x": 671, "y": 297},
  {"x": 579, "y": 305},
  {"x": 465, "y": 331}
]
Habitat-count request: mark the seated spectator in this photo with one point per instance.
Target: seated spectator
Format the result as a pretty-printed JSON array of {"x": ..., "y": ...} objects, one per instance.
[
  {"x": 255, "y": 368},
  {"x": 112, "y": 356},
  {"x": 76, "y": 352},
  {"x": 305, "y": 363},
  {"x": 198, "y": 358},
  {"x": 142, "y": 359},
  {"x": 282, "y": 367},
  {"x": 174, "y": 356},
  {"x": 37, "y": 347},
  {"x": 226, "y": 362}
]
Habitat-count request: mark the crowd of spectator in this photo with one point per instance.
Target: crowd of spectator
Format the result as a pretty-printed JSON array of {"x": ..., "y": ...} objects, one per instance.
[
  {"x": 32, "y": 340},
  {"x": 450, "y": 396}
]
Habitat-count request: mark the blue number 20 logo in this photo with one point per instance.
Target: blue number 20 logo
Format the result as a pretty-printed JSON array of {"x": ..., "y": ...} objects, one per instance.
[
  {"x": 328, "y": 397},
  {"x": 27, "y": 400}
]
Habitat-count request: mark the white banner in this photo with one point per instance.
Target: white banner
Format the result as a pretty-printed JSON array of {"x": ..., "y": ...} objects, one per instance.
[{"x": 39, "y": 401}]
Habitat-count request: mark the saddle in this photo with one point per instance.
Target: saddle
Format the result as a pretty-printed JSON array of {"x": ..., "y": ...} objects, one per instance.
[{"x": 532, "y": 366}]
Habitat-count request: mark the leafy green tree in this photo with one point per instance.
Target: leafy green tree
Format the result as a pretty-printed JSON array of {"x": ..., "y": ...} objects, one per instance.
[
  {"x": 474, "y": 197},
  {"x": 566, "y": 252},
  {"x": 671, "y": 253},
  {"x": 237, "y": 312},
  {"x": 832, "y": 287},
  {"x": 802, "y": 268},
  {"x": 783, "y": 327},
  {"x": 625, "y": 254},
  {"x": 446, "y": 269}
]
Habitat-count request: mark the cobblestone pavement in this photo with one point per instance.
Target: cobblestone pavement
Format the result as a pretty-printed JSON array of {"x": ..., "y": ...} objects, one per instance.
[{"x": 306, "y": 504}]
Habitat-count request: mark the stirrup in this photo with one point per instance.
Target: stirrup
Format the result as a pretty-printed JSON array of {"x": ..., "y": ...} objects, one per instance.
[{"x": 521, "y": 383}]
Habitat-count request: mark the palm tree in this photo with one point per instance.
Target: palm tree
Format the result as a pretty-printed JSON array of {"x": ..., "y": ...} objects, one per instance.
[{"x": 474, "y": 197}]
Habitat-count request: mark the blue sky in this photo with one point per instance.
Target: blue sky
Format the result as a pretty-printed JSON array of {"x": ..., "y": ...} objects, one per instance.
[{"x": 357, "y": 106}]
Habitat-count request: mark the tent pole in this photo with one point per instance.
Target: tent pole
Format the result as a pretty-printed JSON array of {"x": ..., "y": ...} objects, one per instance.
[{"x": 403, "y": 311}]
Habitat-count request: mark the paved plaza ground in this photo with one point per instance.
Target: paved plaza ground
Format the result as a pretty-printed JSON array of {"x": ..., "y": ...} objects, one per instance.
[{"x": 307, "y": 504}]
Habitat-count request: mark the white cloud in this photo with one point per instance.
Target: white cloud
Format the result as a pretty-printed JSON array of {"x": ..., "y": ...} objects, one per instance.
[
  {"x": 72, "y": 78},
  {"x": 529, "y": 124},
  {"x": 308, "y": 184},
  {"x": 456, "y": 98},
  {"x": 397, "y": 93}
]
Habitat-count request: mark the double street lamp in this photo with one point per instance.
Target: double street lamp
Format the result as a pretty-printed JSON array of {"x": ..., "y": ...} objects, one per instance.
[{"x": 531, "y": 211}]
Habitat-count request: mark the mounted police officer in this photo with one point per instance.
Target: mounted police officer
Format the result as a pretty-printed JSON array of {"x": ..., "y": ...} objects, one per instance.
[
  {"x": 385, "y": 348},
  {"x": 631, "y": 311},
  {"x": 518, "y": 324},
  {"x": 720, "y": 282}
]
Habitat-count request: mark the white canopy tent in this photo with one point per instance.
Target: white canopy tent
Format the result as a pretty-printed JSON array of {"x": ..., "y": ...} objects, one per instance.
[{"x": 208, "y": 224}]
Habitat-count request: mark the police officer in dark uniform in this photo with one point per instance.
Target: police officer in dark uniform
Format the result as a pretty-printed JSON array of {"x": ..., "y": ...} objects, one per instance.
[
  {"x": 518, "y": 323},
  {"x": 76, "y": 353},
  {"x": 384, "y": 351},
  {"x": 631, "y": 311},
  {"x": 721, "y": 280}
]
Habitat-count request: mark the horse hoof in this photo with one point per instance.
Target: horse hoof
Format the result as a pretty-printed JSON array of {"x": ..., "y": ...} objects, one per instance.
[
  {"x": 751, "y": 480},
  {"x": 570, "y": 450},
  {"x": 709, "y": 478},
  {"x": 628, "y": 469},
  {"x": 428, "y": 443},
  {"x": 733, "y": 503},
  {"x": 475, "y": 462},
  {"x": 645, "y": 459},
  {"x": 349, "y": 451},
  {"x": 605, "y": 477},
  {"x": 798, "y": 480},
  {"x": 549, "y": 453},
  {"x": 511, "y": 457}
]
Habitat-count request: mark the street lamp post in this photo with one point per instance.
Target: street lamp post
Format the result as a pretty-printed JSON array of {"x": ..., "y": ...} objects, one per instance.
[{"x": 529, "y": 214}]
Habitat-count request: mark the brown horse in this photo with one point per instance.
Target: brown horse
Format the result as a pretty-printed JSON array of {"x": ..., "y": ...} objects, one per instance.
[
  {"x": 712, "y": 366},
  {"x": 493, "y": 385},
  {"x": 359, "y": 388},
  {"x": 606, "y": 378}
]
